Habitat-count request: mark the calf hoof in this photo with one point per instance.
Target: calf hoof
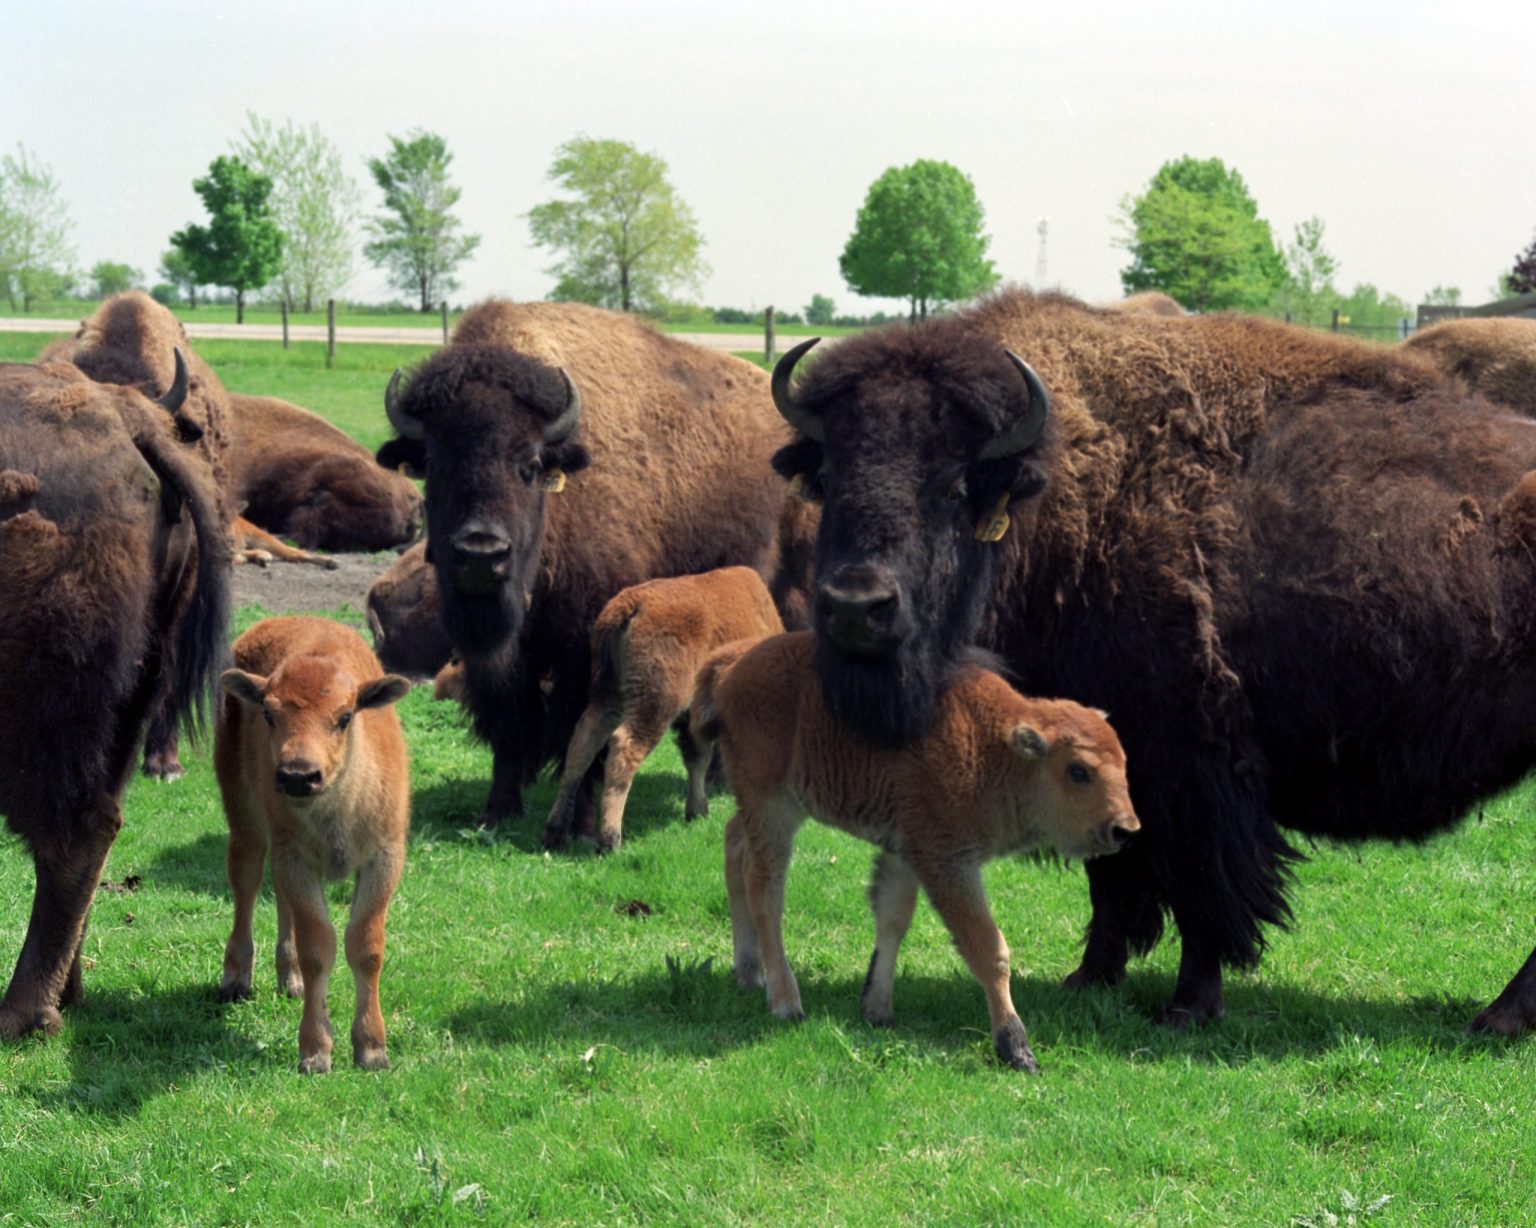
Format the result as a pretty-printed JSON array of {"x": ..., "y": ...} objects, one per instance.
[
  {"x": 879, "y": 1016},
  {"x": 234, "y": 991},
  {"x": 329, "y": 564},
  {"x": 316, "y": 1063},
  {"x": 292, "y": 986},
  {"x": 609, "y": 842},
  {"x": 749, "y": 972},
  {"x": 14, "y": 1024},
  {"x": 692, "y": 812},
  {"x": 1012, "y": 1048},
  {"x": 371, "y": 1059},
  {"x": 789, "y": 1012}
]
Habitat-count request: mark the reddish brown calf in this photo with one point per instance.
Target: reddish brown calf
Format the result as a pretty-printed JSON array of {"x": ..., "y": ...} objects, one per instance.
[
  {"x": 311, "y": 760},
  {"x": 647, "y": 644},
  {"x": 998, "y": 774}
]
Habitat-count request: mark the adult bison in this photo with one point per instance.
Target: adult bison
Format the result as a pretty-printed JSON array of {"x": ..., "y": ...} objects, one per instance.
[
  {"x": 296, "y": 475},
  {"x": 1495, "y": 356},
  {"x": 678, "y": 440},
  {"x": 1298, "y": 570},
  {"x": 113, "y": 599}
]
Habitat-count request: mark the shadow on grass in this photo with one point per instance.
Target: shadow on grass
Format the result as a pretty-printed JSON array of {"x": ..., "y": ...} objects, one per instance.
[{"x": 197, "y": 866}]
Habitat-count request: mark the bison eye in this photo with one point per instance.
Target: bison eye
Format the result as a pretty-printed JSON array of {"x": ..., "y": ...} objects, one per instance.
[
  {"x": 529, "y": 471},
  {"x": 1078, "y": 774},
  {"x": 343, "y": 721}
]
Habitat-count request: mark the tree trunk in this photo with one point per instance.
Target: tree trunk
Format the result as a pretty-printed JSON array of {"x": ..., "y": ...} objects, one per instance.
[
  {"x": 239, "y": 306},
  {"x": 192, "y": 298}
]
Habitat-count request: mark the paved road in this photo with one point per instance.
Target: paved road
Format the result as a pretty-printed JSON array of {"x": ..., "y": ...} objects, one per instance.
[{"x": 745, "y": 343}]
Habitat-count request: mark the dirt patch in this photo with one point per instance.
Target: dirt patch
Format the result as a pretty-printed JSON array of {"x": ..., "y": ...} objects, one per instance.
[{"x": 295, "y": 588}]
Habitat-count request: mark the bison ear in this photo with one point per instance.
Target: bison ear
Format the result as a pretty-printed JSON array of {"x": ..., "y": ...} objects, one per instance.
[
  {"x": 793, "y": 459},
  {"x": 408, "y": 456},
  {"x": 1028, "y": 742},
  {"x": 247, "y": 688},
  {"x": 567, "y": 457},
  {"x": 382, "y": 692}
]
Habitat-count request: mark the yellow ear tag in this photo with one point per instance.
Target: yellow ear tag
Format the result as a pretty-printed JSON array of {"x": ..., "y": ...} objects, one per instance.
[
  {"x": 552, "y": 481},
  {"x": 996, "y": 524},
  {"x": 403, "y": 468},
  {"x": 797, "y": 486}
]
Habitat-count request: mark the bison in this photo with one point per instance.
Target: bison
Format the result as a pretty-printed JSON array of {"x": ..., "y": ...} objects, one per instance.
[
  {"x": 113, "y": 599},
  {"x": 511, "y": 413},
  {"x": 298, "y": 476},
  {"x": 647, "y": 644},
  {"x": 1496, "y": 357},
  {"x": 405, "y": 616},
  {"x": 311, "y": 763},
  {"x": 995, "y": 774},
  {"x": 1298, "y": 568}
]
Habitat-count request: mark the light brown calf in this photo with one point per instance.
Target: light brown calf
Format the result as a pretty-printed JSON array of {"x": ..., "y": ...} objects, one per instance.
[
  {"x": 647, "y": 644},
  {"x": 256, "y": 546},
  {"x": 311, "y": 760},
  {"x": 998, "y": 774}
]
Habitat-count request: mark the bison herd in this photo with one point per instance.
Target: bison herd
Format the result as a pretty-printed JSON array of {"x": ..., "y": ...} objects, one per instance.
[{"x": 1295, "y": 572}]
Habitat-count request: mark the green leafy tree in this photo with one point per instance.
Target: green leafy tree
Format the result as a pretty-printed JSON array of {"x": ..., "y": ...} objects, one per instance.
[
  {"x": 109, "y": 277},
  {"x": 1367, "y": 309},
  {"x": 919, "y": 236},
  {"x": 1308, "y": 295},
  {"x": 1522, "y": 278},
  {"x": 1443, "y": 296},
  {"x": 178, "y": 271},
  {"x": 417, "y": 243},
  {"x": 314, "y": 202},
  {"x": 241, "y": 245},
  {"x": 820, "y": 311},
  {"x": 1196, "y": 234},
  {"x": 627, "y": 240},
  {"x": 35, "y": 252}
]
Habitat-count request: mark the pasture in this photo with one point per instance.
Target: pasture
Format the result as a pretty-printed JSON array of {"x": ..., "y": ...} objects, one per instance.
[{"x": 569, "y": 1046}]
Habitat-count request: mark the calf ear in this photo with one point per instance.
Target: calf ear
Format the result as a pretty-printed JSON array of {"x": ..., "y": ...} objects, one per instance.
[
  {"x": 383, "y": 691},
  {"x": 1028, "y": 743},
  {"x": 247, "y": 688}
]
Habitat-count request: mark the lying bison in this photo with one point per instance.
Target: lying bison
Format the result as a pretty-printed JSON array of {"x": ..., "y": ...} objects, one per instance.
[
  {"x": 1496, "y": 357},
  {"x": 1296, "y": 569},
  {"x": 113, "y": 599},
  {"x": 528, "y": 542}
]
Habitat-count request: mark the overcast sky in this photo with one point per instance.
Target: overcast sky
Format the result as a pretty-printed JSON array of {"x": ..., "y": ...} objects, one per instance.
[{"x": 1408, "y": 127}]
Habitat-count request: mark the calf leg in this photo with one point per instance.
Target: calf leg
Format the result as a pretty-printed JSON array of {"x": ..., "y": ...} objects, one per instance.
[
  {"x": 893, "y": 896},
  {"x": 316, "y": 943},
  {"x": 245, "y": 860},
  {"x": 592, "y": 730},
  {"x": 697, "y": 752},
  {"x": 747, "y": 958},
  {"x": 631, "y": 743},
  {"x": 770, "y": 834},
  {"x": 1514, "y": 1010},
  {"x": 285, "y": 955},
  {"x": 67, "y": 875},
  {"x": 365, "y": 954},
  {"x": 957, "y": 893}
]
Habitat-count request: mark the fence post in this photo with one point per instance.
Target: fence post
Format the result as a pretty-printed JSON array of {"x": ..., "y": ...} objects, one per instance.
[
  {"x": 330, "y": 333},
  {"x": 445, "y": 321},
  {"x": 1402, "y": 329},
  {"x": 285, "y": 323},
  {"x": 768, "y": 339},
  {"x": 1287, "y": 317},
  {"x": 1335, "y": 319}
]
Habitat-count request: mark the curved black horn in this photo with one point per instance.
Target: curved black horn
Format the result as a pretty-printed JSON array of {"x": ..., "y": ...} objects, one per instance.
[
  {"x": 802, "y": 419},
  {"x": 173, "y": 397},
  {"x": 1027, "y": 429},
  {"x": 562, "y": 426},
  {"x": 405, "y": 426}
]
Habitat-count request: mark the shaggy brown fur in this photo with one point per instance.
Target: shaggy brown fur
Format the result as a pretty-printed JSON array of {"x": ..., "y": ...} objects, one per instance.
[
  {"x": 647, "y": 644},
  {"x": 1496, "y": 357},
  {"x": 405, "y": 615},
  {"x": 679, "y": 440},
  {"x": 113, "y": 599},
  {"x": 998, "y": 774},
  {"x": 312, "y": 764},
  {"x": 1148, "y": 302},
  {"x": 298, "y": 476}
]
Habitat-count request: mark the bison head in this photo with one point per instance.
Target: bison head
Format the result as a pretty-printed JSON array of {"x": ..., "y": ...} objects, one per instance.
[
  {"x": 491, "y": 431},
  {"x": 916, "y": 441}
]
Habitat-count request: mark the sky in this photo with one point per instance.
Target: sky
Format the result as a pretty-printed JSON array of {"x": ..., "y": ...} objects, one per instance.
[{"x": 1408, "y": 127}]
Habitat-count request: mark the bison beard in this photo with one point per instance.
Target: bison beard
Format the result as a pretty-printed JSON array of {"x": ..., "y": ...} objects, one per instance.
[{"x": 1256, "y": 544}]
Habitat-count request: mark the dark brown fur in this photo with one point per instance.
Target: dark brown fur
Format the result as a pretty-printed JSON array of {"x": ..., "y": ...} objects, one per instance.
[
  {"x": 405, "y": 615},
  {"x": 1496, "y": 357}
]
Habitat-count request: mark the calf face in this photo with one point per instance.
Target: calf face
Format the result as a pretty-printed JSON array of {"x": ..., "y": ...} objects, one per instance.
[{"x": 1076, "y": 791}]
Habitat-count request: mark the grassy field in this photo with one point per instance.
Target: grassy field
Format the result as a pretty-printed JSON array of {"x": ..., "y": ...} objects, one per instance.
[{"x": 569, "y": 1047}]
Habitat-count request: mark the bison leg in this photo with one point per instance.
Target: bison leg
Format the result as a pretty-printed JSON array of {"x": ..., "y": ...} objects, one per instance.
[
  {"x": 376, "y": 883},
  {"x": 68, "y": 872},
  {"x": 893, "y": 896},
  {"x": 162, "y": 759},
  {"x": 316, "y": 943},
  {"x": 957, "y": 893},
  {"x": 628, "y": 748},
  {"x": 1197, "y": 996},
  {"x": 699, "y": 757},
  {"x": 1124, "y": 910},
  {"x": 1513, "y": 1011},
  {"x": 769, "y": 828},
  {"x": 505, "y": 799},
  {"x": 592, "y": 730},
  {"x": 747, "y": 958}
]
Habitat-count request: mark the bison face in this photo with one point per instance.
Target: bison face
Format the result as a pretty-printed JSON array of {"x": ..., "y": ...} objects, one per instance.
[
  {"x": 490, "y": 430},
  {"x": 915, "y": 464}
]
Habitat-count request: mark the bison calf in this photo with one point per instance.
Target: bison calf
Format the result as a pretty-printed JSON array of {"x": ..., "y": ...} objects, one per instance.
[
  {"x": 647, "y": 645},
  {"x": 310, "y": 759},
  {"x": 998, "y": 774}
]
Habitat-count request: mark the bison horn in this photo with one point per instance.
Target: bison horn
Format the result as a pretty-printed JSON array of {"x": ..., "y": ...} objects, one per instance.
[
  {"x": 797, "y": 415},
  {"x": 1027, "y": 429},
  {"x": 556, "y": 431},
  {"x": 405, "y": 426},
  {"x": 172, "y": 398}
]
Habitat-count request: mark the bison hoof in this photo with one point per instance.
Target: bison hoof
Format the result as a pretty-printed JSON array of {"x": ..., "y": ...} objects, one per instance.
[
  {"x": 15, "y": 1024},
  {"x": 1012, "y": 1048},
  {"x": 1094, "y": 978},
  {"x": 609, "y": 843},
  {"x": 291, "y": 986},
  {"x": 237, "y": 991},
  {"x": 557, "y": 839},
  {"x": 1502, "y": 1019},
  {"x": 789, "y": 1012},
  {"x": 315, "y": 1063},
  {"x": 159, "y": 767},
  {"x": 371, "y": 1059},
  {"x": 330, "y": 565},
  {"x": 880, "y": 1016},
  {"x": 1177, "y": 1018}
]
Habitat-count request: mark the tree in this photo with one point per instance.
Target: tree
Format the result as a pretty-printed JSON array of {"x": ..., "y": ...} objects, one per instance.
[
  {"x": 241, "y": 246},
  {"x": 417, "y": 243},
  {"x": 628, "y": 240},
  {"x": 1196, "y": 234},
  {"x": 314, "y": 202},
  {"x": 35, "y": 253},
  {"x": 919, "y": 236},
  {"x": 109, "y": 277},
  {"x": 820, "y": 311},
  {"x": 1307, "y": 294},
  {"x": 1369, "y": 310},
  {"x": 1443, "y": 296},
  {"x": 1522, "y": 278},
  {"x": 178, "y": 271}
]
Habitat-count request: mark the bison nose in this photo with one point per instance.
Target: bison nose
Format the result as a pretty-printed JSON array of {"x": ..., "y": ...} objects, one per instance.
[
  {"x": 481, "y": 561},
  {"x": 299, "y": 778},
  {"x": 859, "y": 613}
]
